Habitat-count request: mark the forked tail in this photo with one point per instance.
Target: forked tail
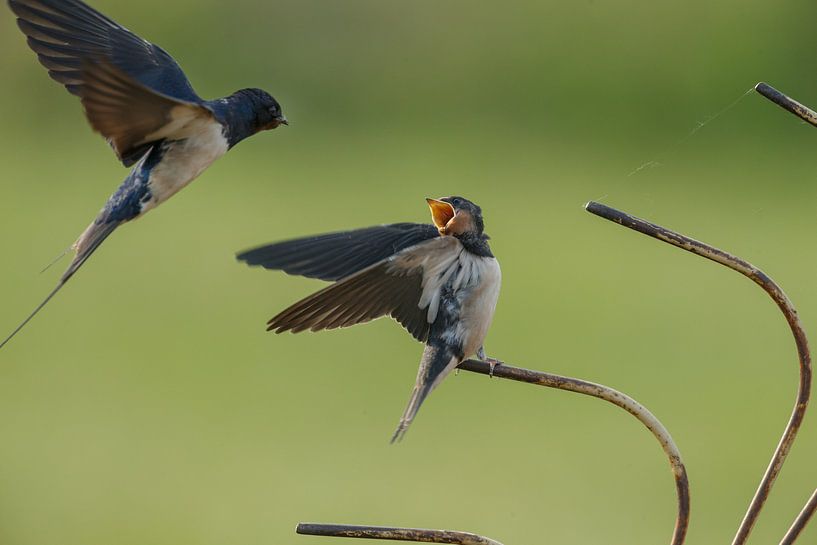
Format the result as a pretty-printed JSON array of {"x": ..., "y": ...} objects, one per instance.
[{"x": 85, "y": 246}]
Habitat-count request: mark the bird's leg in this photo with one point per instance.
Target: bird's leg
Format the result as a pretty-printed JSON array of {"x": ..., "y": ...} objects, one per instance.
[{"x": 490, "y": 361}]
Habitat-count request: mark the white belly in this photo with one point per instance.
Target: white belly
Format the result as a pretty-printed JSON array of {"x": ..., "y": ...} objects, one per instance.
[
  {"x": 184, "y": 161},
  {"x": 479, "y": 304}
]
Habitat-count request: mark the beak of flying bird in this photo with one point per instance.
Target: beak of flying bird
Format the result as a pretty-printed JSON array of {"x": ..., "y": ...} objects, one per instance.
[{"x": 275, "y": 123}]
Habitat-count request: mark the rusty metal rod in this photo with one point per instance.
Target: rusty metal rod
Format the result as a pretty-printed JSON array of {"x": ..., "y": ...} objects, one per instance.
[
  {"x": 547, "y": 380},
  {"x": 803, "y": 112},
  {"x": 770, "y": 287},
  {"x": 421, "y": 535},
  {"x": 800, "y": 522},
  {"x": 619, "y": 399}
]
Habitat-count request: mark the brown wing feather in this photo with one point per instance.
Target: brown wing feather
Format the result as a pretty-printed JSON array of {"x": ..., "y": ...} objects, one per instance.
[
  {"x": 391, "y": 287},
  {"x": 360, "y": 298},
  {"x": 129, "y": 114}
]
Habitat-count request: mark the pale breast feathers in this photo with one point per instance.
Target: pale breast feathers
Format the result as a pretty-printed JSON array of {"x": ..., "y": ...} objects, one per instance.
[
  {"x": 185, "y": 159},
  {"x": 446, "y": 264},
  {"x": 479, "y": 305}
]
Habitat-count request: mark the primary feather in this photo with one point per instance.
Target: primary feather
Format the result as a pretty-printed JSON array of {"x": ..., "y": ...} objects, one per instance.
[{"x": 336, "y": 255}]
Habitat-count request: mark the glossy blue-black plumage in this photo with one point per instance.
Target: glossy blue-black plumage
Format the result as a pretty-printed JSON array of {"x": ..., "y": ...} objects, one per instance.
[
  {"x": 245, "y": 112},
  {"x": 127, "y": 202}
]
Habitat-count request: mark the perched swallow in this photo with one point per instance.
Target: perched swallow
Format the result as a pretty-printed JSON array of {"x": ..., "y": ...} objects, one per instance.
[
  {"x": 440, "y": 282},
  {"x": 139, "y": 99}
]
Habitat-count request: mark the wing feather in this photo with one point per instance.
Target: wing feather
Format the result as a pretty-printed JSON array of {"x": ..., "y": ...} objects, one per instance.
[
  {"x": 130, "y": 115},
  {"x": 337, "y": 255},
  {"x": 393, "y": 287},
  {"x": 82, "y": 34},
  {"x": 368, "y": 295}
]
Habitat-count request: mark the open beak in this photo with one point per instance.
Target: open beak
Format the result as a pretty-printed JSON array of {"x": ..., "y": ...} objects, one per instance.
[{"x": 441, "y": 214}]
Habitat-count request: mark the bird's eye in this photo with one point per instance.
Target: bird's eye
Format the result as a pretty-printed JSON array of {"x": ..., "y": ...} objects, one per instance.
[{"x": 456, "y": 202}]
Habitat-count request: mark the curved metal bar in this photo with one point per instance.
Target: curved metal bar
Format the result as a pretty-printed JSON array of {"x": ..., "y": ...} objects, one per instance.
[
  {"x": 617, "y": 398},
  {"x": 397, "y": 534},
  {"x": 800, "y": 522},
  {"x": 769, "y": 286},
  {"x": 548, "y": 380},
  {"x": 803, "y": 112}
]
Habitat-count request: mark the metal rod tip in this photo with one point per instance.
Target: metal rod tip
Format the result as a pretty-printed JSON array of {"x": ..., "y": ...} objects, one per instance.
[{"x": 787, "y": 103}]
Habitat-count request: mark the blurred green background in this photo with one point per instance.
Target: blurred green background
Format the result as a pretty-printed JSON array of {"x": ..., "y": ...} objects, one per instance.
[{"x": 147, "y": 404}]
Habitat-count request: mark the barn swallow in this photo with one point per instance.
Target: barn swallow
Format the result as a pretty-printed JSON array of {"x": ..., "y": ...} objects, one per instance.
[
  {"x": 138, "y": 98},
  {"x": 440, "y": 282}
]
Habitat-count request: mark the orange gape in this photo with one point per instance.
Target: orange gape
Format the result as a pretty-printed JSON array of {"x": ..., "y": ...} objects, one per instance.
[
  {"x": 441, "y": 214},
  {"x": 447, "y": 220}
]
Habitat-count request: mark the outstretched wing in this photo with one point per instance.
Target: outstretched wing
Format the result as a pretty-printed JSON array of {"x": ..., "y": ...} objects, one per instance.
[
  {"x": 405, "y": 286},
  {"x": 106, "y": 65},
  {"x": 338, "y": 255}
]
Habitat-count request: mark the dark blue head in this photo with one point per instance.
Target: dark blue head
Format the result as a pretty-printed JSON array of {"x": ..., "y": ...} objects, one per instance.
[{"x": 247, "y": 112}]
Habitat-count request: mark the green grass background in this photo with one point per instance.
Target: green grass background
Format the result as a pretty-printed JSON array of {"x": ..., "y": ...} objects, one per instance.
[{"x": 147, "y": 405}]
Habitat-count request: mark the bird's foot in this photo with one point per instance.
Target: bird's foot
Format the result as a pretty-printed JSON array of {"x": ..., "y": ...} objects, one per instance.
[{"x": 492, "y": 363}]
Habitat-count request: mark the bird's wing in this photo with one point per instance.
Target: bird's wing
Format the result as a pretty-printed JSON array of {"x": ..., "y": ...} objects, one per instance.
[
  {"x": 121, "y": 76},
  {"x": 338, "y": 255},
  {"x": 402, "y": 286},
  {"x": 133, "y": 117}
]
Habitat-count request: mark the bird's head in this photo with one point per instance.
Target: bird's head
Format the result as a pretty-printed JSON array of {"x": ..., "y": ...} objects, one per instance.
[
  {"x": 264, "y": 111},
  {"x": 267, "y": 111},
  {"x": 456, "y": 216}
]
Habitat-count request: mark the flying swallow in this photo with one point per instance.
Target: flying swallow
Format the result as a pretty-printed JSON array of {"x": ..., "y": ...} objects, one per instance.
[
  {"x": 440, "y": 282},
  {"x": 138, "y": 98}
]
